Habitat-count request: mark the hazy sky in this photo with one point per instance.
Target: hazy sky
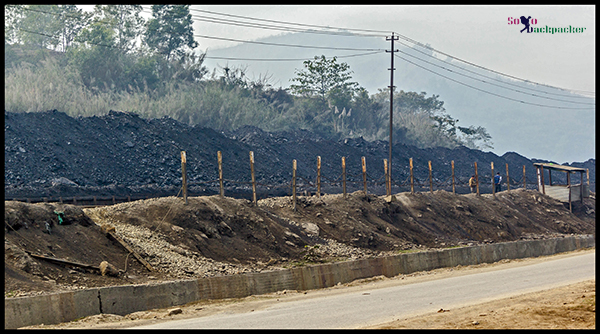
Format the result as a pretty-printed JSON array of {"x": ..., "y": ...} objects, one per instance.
[
  {"x": 478, "y": 34},
  {"x": 487, "y": 36}
]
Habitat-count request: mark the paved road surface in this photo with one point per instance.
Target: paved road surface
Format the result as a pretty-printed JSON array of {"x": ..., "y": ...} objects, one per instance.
[{"x": 370, "y": 307}]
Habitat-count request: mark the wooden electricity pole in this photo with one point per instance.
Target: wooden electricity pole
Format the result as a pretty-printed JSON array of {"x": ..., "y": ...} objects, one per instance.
[{"x": 389, "y": 178}]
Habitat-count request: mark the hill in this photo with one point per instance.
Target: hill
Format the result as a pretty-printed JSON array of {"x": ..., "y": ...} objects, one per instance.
[{"x": 557, "y": 133}]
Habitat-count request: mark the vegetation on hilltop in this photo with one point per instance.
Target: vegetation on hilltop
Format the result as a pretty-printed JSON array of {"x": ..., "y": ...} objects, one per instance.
[{"x": 87, "y": 63}]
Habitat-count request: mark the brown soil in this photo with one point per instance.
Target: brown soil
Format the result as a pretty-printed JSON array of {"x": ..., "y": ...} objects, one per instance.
[
  {"x": 568, "y": 307},
  {"x": 221, "y": 236},
  {"x": 214, "y": 236}
]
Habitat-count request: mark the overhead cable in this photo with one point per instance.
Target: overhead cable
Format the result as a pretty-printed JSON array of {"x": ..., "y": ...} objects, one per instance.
[
  {"x": 288, "y": 59},
  {"x": 490, "y": 83},
  {"x": 487, "y": 92},
  {"x": 297, "y": 24},
  {"x": 481, "y": 67},
  {"x": 489, "y": 77},
  {"x": 288, "y": 45}
]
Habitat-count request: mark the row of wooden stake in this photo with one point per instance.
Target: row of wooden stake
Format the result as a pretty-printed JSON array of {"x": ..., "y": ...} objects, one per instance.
[{"x": 318, "y": 183}]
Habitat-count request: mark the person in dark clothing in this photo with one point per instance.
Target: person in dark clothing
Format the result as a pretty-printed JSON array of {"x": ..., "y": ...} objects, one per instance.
[{"x": 497, "y": 181}]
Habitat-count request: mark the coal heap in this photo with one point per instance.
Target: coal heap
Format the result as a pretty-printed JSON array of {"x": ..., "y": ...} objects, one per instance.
[{"x": 50, "y": 154}]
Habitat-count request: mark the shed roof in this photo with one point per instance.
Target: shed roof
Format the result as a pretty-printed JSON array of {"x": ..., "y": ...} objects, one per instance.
[{"x": 559, "y": 167}]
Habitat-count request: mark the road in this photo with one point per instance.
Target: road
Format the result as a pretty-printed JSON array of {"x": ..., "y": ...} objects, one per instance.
[{"x": 364, "y": 307}]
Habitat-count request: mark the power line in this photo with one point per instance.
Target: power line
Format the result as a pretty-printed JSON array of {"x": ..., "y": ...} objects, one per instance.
[
  {"x": 482, "y": 67},
  {"x": 298, "y": 24},
  {"x": 489, "y": 77},
  {"x": 210, "y": 19},
  {"x": 372, "y": 51},
  {"x": 263, "y": 26},
  {"x": 287, "y": 59},
  {"x": 404, "y": 37},
  {"x": 231, "y": 39},
  {"x": 271, "y": 27},
  {"x": 514, "y": 90},
  {"x": 485, "y": 91},
  {"x": 288, "y": 45}
]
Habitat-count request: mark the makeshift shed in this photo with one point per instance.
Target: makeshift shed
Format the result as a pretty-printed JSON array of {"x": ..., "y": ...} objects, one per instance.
[{"x": 565, "y": 193}]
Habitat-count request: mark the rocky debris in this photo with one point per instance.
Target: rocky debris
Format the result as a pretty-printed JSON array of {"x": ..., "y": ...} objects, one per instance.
[
  {"x": 108, "y": 269},
  {"x": 49, "y": 154},
  {"x": 224, "y": 236},
  {"x": 174, "y": 311}
]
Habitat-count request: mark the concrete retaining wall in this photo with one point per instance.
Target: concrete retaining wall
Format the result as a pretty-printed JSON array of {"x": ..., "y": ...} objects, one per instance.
[{"x": 122, "y": 300}]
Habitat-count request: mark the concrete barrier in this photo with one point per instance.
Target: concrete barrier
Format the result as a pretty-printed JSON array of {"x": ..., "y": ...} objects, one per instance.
[
  {"x": 51, "y": 308},
  {"x": 122, "y": 300}
]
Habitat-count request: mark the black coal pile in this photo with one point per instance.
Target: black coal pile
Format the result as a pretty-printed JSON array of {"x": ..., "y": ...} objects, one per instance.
[{"x": 49, "y": 154}]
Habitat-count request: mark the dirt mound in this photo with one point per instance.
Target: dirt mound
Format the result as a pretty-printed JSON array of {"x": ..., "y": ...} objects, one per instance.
[
  {"x": 221, "y": 236},
  {"x": 35, "y": 229},
  {"x": 49, "y": 154}
]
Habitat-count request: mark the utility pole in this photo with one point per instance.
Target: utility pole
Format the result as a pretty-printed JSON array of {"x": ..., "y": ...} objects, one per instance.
[{"x": 389, "y": 179}]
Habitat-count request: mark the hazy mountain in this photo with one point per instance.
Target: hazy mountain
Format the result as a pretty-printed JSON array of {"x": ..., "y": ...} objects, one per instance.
[{"x": 560, "y": 135}]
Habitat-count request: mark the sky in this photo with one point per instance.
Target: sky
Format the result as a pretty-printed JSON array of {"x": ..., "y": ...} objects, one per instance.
[
  {"x": 479, "y": 34},
  {"x": 484, "y": 35}
]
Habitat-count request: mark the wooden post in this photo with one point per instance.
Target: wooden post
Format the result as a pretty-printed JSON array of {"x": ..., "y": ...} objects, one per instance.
[
  {"x": 524, "y": 179},
  {"x": 541, "y": 170},
  {"x": 183, "y": 177},
  {"x": 453, "y": 187},
  {"x": 581, "y": 187},
  {"x": 364, "y": 170},
  {"x": 476, "y": 178},
  {"x": 220, "y": 161},
  {"x": 569, "y": 186},
  {"x": 388, "y": 177},
  {"x": 507, "y": 179},
  {"x": 114, "y": 200},
  {"x": 344, "y": 175},
  {"x": 385, "y": 170},
  {"x": 95, "y": 201},
  {"x": 130, "y": 250},
  {"x": 253, "y": 179},
  {"x": 549, "y": 177},
  {"x": 412, "y": 183},
  {"x": 587, "y": 171},
  {"x": 60, "y": 198},
  {"x": 294, "y": 182},
  {"x": 430, "y": 179},
  {"x": 493, "y": 184},
  {"x": 319, "y": 176}
]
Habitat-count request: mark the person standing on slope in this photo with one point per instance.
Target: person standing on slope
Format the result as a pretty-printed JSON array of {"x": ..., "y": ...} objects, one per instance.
[
  {"x": 497, "y": 181},
  {"x": 473, "y": 184}
]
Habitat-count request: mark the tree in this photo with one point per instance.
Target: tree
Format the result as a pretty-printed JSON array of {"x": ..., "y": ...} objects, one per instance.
[
  {"x": 423, "y": 122},
  {"x": 96, "y": 58},
  {"x": 170, "y": 30},
  {"x": 39, "y": 26},
  {"x": 476, "y": 137},
  {"x": 125, "y": 20},
  {"x": 12, "y": 15},
  {"x": 71, "y": 21},
  {"x": 325, "y": 79}
]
